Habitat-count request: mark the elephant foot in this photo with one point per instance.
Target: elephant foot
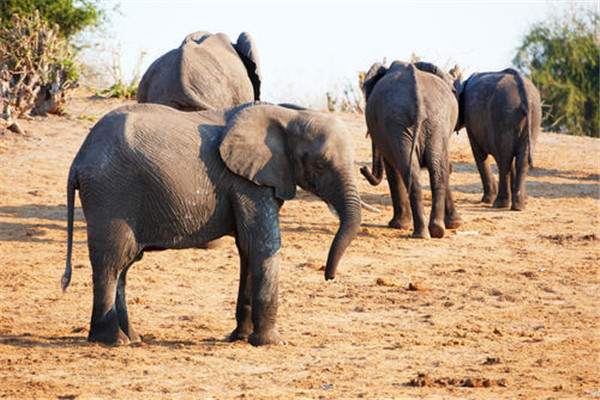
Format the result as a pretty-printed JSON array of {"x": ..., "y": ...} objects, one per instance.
[
  {"x": 488, "y": 198},
  {"x": 239, "y": 334},
  {"x": 453, "y": 221},
  {"x": 436, "y": 229},
  {"x": 518, "y": 206},
  {"x": 501, "y": 203},
  {"x": 397, "y": 223},
  {"x": 109, "y": 339},
  {"x": 134, "y": 337},
  {"x": 421, "y": 234},
  {"x": 262, "y": 338}
]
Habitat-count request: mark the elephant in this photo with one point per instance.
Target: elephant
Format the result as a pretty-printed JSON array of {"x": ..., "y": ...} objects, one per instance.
[
  {"x": 502, "y": 113},
  {"x": 151, "y": 177},
  {"x": 206, "y": 71},
  {"x": 410, "y": 113}
]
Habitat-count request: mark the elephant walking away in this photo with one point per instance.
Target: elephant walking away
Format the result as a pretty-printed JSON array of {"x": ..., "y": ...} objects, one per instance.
[
  {"x": 502, "y": 113},
  {"x": 152, "y": 178},
  {"x": 206, "y": 71},
  {"x": 411, "y": 112}
]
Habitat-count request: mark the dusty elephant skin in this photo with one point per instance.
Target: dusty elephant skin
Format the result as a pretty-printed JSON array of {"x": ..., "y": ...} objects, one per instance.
[
  {"x": 152, "y": 178},
  {"x": 410, "y": 114},
  {"x": 502, "y": 113},
  {"x": 207, "y": 71}
]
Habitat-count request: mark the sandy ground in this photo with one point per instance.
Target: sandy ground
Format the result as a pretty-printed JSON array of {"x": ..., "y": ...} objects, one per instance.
[{"x": 507, "y": 306}]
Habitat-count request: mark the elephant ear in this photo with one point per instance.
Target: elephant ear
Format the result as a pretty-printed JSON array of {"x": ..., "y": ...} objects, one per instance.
[
  {"x": 197, "y": 37},
  {"x": 374, "y": 74},
  {"x": 246, "y": 49},
  {"x": 254, "y": 147}
]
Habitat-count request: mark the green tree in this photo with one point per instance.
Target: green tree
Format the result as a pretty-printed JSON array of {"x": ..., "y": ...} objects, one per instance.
[
  {"x": 71, "y": 15},
  {"x": 561, "y": 56}
]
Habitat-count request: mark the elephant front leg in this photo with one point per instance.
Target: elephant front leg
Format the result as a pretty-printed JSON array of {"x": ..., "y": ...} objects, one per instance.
[
  {"x": 259, "y": 241},
  {"x": 265, "y": 278}
]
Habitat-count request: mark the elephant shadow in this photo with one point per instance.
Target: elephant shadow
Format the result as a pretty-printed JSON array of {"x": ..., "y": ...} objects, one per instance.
[
  {"x": 27, "y": 340},
  {"x": 34, "y": 232},
  {"x": 588, "y": 186}
]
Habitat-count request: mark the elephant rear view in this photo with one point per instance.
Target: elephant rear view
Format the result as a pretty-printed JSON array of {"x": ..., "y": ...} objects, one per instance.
[
  {"x": 207, "y": 71},
  {"x": 502, "y": 113},
  {"x": 411, "y": 112}
]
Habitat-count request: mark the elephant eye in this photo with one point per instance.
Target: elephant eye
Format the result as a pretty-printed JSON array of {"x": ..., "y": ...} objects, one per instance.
[{"x": 320, "y": 165}]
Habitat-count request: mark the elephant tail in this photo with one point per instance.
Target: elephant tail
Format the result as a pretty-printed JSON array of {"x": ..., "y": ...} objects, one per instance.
[
  {"x": 72, "y": 185},
  {"x": 526, "y": 109},
  {"x": 376, "y": 175},
  {"x": 417, "y": 117}
]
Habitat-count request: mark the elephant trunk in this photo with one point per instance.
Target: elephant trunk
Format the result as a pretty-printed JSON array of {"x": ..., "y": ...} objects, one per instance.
[
  {"x": 374, "y": 177},
  {"x": 348, "y": 206}
]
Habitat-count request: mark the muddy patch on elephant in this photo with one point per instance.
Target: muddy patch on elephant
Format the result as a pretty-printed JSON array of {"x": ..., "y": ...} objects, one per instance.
[{"x": 504, "y": 307}]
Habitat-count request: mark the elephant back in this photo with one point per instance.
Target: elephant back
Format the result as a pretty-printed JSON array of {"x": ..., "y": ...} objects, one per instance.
[{"x": 205, "y": 72}]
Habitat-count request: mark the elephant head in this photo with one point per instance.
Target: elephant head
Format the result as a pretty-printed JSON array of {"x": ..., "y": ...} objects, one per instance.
[
  {"x": 373, "y": 75},
  {"x": 282, "y": 147}
]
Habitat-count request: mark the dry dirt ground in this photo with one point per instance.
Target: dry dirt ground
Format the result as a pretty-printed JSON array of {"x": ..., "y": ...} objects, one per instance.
[{"x": 506, "y": 307}]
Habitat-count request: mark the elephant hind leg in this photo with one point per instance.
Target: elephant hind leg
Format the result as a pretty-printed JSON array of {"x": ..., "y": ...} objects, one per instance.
[
  {"x": 505, "y": 172},
  {"x": 402, "y": 218},
  {"x": 121, "y": 305},
  {"x": 519, "y": 176},
  {"x": 111, "y": 254}
]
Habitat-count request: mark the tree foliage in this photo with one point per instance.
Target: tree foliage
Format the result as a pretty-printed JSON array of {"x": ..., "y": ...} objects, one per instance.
[
  {"x": 561, "y": 56},
  {"x": 71, "y": 15},
  {"x": 37, "y": 68}
]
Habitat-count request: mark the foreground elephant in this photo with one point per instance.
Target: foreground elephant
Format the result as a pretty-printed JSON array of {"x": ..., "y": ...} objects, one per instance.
[
  {"x": 206, "y": 71},
  {"x": 151, "y": 178},
  {"x": 411, "y": 112},
  {"x": 502, "y": 113}
]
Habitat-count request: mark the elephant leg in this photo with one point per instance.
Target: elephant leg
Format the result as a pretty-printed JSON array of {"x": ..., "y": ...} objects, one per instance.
[
  {"x": 265, "y": 293},
  {"x": 490, "y": 189},
  {"x": 519, "y": 195},
  {"x": 243, "y": 310},
  {"x": 402, "y": 213},
  {"x": 452, "y": 218},
  {"x": 420, "y": 229},
  {"x": 438, "y": 180},
  {"x": 505, "y": 168},
  {"x": 259, "y": 238},
  {"x": 110, "y": 254},
  {"x": 122, "y": 314}
]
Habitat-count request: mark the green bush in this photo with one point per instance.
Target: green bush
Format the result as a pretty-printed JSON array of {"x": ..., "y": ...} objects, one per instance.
[
  {"x": 561, "y": 56},
  {"x": 37, "y": 67},
  {"x": 71, "y": 15}
]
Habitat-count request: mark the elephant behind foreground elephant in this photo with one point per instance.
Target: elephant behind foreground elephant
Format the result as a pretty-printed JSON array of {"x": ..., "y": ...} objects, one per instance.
[
  {"x": 152, "y": 178},
  {"x": 411, "y": 112},
  {"x": 206, "y": 71},
  {"x": 502, "y": 113}
]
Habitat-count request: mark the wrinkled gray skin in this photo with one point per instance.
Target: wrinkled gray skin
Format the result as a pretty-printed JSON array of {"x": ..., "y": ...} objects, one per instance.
[
  {"x": 502, "y": 113},
  {"x": 207, "y": 71},
  {"x": 151, "y": 178},
  {"x": 411, "y": 112}
]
